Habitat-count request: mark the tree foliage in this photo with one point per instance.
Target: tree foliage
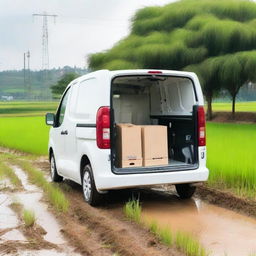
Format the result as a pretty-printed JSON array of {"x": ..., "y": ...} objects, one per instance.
[
  {"x": 62, "y": 83},
  {"x": 215, "y": 38}
]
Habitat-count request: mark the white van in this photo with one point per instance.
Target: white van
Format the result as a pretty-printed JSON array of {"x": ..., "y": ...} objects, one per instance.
[{"x": 82, "y": 144}]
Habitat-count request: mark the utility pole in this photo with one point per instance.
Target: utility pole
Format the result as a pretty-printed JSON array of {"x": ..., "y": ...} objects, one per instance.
[
  {"x": 29, "y": 85},
  {"x": 24, "y": 72},
  {"x": 45, "y": 52}
]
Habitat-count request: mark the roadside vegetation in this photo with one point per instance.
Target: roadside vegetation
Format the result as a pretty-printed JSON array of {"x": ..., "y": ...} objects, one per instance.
[
  {"x": 183, "y": 241},
  {"x": 53, "y": 193},
  {"x": 7, "y": 173}
]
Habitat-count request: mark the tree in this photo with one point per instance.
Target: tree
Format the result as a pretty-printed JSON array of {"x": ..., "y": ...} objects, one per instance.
[
  {"x": 201, "y": 34},
  {"x": 62, "y": 83}
]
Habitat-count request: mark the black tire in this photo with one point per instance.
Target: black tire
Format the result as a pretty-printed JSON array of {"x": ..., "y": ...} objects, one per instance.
[
  {"x": 91, "y": 195},
  {"x": 185, "y": 191},
  {"x": 55, "y": 177}
]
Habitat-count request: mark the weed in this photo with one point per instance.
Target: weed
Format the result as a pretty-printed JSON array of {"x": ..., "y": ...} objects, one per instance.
[
  {"x": 153, "y": 227},
  {"x": 189, "y": 245},
  {"x": 29, "y": 218},
  {"x": 132, "y": 210},
  {"x": 165, "y": 236}
]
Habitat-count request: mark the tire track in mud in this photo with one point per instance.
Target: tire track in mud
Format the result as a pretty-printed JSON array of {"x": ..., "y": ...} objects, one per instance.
[{"x": 127, "y": 238}]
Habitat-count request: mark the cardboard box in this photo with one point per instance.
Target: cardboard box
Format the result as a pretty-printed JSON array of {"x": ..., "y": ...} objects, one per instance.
[
  {"x": 154, "y": 145},
  {"x": 128, "y": 145}
]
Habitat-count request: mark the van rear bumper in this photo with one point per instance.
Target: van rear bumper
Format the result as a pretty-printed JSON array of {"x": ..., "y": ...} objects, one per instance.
[{"x": 112, "y": 181}]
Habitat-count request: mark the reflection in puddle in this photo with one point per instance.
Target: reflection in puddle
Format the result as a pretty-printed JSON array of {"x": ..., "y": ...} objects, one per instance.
[
  {"x": 219, "y": 230},
  {"x": 45, "y": 219},
  {"x": 8, "y": 218}
]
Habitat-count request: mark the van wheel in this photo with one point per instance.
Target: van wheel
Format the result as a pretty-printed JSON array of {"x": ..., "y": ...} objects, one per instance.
[
  {"x": 91, "y": 195},
  {"x": 55, "y": 177},
  {"x": 185, "y": 191}
]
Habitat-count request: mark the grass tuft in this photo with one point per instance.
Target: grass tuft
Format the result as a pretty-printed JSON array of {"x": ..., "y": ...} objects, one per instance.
[
  {"x": 29, "y": 218},
  {"x": 165, "y": 236},
  {"x": 189, "y": 245},
  {"x": 132, "y": 210},
  {"x": 53, "y": 193}
]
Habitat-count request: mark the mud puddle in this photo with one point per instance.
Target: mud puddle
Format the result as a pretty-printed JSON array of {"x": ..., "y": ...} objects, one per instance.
[
  {"x": 220, "y": 231},
  {"x": 30, "y": 197}
]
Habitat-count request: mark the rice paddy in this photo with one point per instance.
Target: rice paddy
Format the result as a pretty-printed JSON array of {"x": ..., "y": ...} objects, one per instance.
[{"x": 231, "y": 157}]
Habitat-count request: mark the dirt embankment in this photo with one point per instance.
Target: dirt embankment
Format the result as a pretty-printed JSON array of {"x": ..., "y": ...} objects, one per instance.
[
  {"x": 227, "y": 200},
  {"x": 240, "y": 117}
]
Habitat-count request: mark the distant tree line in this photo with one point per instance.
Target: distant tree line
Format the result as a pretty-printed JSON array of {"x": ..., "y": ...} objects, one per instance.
[{"x": 216, "y": 39}]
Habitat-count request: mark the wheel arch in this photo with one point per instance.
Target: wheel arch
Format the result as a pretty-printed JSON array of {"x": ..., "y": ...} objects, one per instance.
[{"x": 84, "y": 161}]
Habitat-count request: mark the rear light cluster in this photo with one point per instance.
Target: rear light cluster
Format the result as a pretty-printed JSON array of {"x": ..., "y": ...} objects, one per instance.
[
  {"x": 201, "y": 126},
  {"x": 103, "y": 128}
]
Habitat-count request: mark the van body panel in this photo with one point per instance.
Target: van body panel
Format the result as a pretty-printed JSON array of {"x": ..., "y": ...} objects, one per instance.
[{"x": 86, "y": 95}]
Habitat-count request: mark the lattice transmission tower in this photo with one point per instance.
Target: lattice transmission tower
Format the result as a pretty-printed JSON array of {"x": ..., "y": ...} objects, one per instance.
[{"x": 45, "y": 51}]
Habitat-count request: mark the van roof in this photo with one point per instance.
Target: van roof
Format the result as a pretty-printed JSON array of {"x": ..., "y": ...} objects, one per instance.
[{"x": 135, "y": 72}]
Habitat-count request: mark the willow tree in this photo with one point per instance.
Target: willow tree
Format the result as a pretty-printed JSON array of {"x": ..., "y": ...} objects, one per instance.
[{"x": 189, "y": 33}]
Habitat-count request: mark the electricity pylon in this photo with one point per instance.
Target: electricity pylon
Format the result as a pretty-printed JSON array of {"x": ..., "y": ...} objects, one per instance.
[{"x": 45, "y": 51}]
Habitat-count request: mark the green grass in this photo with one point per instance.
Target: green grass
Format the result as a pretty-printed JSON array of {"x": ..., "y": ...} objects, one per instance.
[
  {"x": 28, "y": 134},
  {"x": 52, "y": 192},
  {"x": 132, "y": 210},
  {"x": 184, "y": 242},
  {"x": 189, "y": 245},
  {"x": 231, "y": 157},
  {"x": 249, "y": 106},
  {"x": 7, "y": 172},
  {"x": 28, "y": 217}
]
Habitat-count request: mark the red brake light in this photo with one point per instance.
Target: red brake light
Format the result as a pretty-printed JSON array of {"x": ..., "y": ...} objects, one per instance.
[
  {"x": 103, "y": 128},
  {"x": 201, "y": 126},
  {"x": 155, "y": 72}
]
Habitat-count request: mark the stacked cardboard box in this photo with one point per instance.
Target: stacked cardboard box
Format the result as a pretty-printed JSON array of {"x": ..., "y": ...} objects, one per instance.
[
  {"x": 154, "y": 145},
  {"x": 141, "y": 145},
  {"x": 128, "y": 144}
]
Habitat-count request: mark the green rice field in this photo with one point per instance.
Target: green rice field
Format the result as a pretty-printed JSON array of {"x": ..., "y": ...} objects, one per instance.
[
  {"x": 28, "y": 134},
  {"x": 231, "y": 157},
  {"x": 26, "y": 108}
]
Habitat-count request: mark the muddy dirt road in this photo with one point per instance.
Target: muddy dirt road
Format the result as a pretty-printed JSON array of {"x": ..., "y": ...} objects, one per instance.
[{"x": 85, "y": 230}]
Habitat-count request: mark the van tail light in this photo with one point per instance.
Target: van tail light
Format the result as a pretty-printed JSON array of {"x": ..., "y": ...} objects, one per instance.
[
  {"x": 201, "y": 126},
  {"x": 103, "y": 128}
]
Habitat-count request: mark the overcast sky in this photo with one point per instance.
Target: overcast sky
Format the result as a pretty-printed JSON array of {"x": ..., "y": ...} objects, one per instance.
[{"x": 82, "y": 27}]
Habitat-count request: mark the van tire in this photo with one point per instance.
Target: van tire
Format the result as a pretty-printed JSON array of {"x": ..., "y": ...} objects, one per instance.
[
  {"x": 91, "y": 195},
  {"x": 55, "y": 177},
  {"x": 185, "y": 191}
]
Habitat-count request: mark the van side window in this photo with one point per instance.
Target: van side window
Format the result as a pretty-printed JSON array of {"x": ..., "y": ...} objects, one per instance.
[{"x": 62, "y": 108}]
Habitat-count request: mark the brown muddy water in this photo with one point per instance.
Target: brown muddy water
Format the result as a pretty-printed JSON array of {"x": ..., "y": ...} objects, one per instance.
[{"x": 220, "y": 231}]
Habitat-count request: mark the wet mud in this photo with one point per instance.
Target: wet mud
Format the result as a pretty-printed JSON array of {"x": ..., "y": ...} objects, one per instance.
[{"x": 219, "y": 230}]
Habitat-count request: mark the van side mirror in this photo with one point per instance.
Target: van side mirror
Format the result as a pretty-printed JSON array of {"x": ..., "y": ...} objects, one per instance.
[{"x": 50, "y": 119}]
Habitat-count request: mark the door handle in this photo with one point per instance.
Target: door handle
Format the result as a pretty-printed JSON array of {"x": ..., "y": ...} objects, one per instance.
[{"x": 64, "y": 132}]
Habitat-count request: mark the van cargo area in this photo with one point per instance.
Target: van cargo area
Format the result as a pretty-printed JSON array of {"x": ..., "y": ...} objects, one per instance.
[{"x": 156, "y": 100}]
